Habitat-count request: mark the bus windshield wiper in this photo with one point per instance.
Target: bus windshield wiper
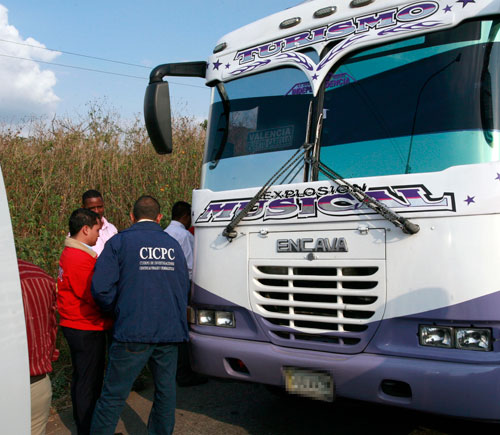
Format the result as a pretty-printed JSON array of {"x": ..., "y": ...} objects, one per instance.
[
  {"x": 399, "y": 221},
  {"x": 299, "y": 155},
  {"x": 227, "y": 110},
  {"x": 406, "y": 225}
]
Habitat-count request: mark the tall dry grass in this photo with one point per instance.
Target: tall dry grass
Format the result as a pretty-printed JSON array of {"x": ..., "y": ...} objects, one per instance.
[
  {"x": 47, "y": 170},
  {"x": 46, "y": 173}
]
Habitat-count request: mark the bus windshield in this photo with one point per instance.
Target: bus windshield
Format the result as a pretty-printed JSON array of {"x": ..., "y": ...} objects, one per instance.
[
  {"x": 418, "y": 105},
  {"x": 266, "y": 124}
]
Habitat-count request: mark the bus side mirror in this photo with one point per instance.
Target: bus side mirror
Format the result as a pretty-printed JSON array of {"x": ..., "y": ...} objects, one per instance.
[
  {"x": 157, "y": 101},
  {"x": 157, "y": 116}
]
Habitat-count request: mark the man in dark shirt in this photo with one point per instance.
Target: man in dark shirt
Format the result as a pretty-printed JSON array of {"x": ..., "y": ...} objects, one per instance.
[
  {"x": 142, "y": 277},
  {"x": 39, "y": 300}
]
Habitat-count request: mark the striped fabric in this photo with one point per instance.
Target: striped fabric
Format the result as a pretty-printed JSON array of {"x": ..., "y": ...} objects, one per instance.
[{"x": 39, "y": 298}]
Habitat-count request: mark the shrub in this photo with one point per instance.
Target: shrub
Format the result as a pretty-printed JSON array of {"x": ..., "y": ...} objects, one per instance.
[{"x": 46, "y": 173}]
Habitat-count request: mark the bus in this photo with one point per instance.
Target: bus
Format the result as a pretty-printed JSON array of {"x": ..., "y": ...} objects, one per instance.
[{"x": 347, "y": 223}]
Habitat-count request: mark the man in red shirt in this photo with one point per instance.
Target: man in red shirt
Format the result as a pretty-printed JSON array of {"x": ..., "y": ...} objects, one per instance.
[
  {"x": 82, "y": 324},
  {"x": 39, "y": 300}
]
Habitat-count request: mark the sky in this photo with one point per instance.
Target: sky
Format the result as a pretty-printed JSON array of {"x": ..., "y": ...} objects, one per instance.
[{"x": 145, "y": 33}]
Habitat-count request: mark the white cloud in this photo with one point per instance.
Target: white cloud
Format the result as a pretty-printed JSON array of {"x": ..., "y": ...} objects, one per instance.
[{"x": 25, "y": 88}]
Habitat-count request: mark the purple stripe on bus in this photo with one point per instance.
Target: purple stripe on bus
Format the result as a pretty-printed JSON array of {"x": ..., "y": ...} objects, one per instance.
[
  {"x": 399, "y": 335},
  {"x": 443, "y": 387},
  {"x": 253, "y": 326},
  {"x": 396, "y": 336},
  {"x": 247, "y": 328}
]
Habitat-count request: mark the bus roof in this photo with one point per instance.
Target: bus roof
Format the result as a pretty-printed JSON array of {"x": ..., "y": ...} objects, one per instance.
[{"x": 332, "y": 31}]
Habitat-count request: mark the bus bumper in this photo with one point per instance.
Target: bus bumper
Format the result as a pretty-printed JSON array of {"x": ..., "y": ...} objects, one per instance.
[{"x": 458, "y": 389}]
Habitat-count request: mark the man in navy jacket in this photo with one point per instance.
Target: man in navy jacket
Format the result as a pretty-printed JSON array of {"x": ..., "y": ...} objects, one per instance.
[{"x": 142, "y": 277}]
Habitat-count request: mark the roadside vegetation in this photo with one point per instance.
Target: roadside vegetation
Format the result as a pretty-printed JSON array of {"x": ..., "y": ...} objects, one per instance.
[{"x": 47, "y": 166}]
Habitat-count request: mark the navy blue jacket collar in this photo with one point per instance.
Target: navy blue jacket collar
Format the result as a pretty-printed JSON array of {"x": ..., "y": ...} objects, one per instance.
[{"x": 146, "y": 225}]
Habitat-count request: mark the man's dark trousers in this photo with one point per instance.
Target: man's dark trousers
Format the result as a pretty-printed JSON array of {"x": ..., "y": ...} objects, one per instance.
[
  {"x": 126, "y": 360},
  {"x": 88, "y": 352}
]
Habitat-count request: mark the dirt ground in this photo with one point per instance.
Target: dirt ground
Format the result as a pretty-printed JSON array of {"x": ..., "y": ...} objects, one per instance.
[{"x": 227, "y": 407}]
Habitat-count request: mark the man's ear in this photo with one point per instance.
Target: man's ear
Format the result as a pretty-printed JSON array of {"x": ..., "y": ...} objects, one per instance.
[
  {"x": 85, "y": 230},
  {"x": 158, "y": 218},
  {"x": 132, "y": 218},
  {"x": 185, "y": 220}
]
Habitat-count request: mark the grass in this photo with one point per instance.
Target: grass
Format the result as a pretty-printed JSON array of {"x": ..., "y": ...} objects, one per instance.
[{"x": 47, "y": 170}]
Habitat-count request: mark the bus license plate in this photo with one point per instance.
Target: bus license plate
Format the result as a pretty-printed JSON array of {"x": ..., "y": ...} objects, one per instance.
[{"x": 309, "y": 383}]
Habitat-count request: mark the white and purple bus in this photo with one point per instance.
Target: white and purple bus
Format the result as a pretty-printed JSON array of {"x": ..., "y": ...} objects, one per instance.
[{"x": 348, "y": 222}]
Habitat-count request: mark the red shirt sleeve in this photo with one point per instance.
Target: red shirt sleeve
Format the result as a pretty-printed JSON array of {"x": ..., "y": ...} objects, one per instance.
[{"x": 39, "y": 299}]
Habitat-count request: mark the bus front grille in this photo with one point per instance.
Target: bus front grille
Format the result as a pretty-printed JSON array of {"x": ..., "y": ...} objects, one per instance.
[{"x": 331, "y": 306}]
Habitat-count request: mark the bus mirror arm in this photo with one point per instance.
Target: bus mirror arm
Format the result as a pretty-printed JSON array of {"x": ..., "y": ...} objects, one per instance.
[{"x": 181, "y": 69}]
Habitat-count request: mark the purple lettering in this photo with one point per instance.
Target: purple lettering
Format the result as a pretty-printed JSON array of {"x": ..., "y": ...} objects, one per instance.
[
  {"x": 256, "y": 210},
  {"x": 340, "y": 30},
  {"x": 281, "y": 207},
  {"x": 337, "y": 202},
  {"x": 296, "y": 41},
  {"x": 417, "y": 11},
  {"x": 378, "y": 21},
  {"x": 307, "y": 207},
  {"x": 246, "y": 56},
  {"x": 270, "y": 49},
  {"x": 217, "y": 211}
]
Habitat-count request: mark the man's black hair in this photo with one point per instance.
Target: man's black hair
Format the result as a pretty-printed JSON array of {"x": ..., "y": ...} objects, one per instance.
[
  {"x": 180, "y": 209},
  {"x": 81, "y": 217},
  {"x": 146, "y": 207},
  {"x": 91, "y": 194}
]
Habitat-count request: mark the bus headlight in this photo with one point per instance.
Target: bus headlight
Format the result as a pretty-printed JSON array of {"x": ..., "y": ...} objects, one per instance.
[
  {"x": 224, "y": 319},
  {"x": 206, "y": 317},
  {"x": 456, "y": 337},
  {"x": 473, "y": 339},
  {"x": 438, "y": 336}
]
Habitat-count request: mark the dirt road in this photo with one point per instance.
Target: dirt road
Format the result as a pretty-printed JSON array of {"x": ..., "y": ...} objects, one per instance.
[{"x": 223, "y": 407}]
